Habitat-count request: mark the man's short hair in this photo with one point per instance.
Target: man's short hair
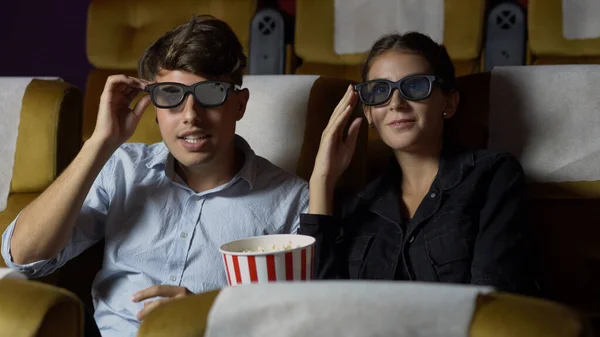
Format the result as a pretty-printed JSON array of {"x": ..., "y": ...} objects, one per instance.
[{"x": 204, "y": 46}]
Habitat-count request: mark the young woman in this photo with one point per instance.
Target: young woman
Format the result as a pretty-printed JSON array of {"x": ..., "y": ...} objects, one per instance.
[{"x": 440, "y": 213}]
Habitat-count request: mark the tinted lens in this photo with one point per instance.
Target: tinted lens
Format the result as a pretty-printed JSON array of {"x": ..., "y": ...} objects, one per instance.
[
  {"x": 167, "y": 95},
  {"x": 416, "y": 87},
  {"x": 211, "y": 93},
  {"x": 373, "y": 93}
]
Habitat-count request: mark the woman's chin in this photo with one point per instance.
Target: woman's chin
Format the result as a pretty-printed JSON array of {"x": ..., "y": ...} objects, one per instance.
[{"x": 401, "y": 142}]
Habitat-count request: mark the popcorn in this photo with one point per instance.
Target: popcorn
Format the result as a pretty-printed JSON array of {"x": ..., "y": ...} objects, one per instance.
[{"x": 271, "y": 249}]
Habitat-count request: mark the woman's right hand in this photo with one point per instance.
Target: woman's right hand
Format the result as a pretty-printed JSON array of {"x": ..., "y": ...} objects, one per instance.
[
  {"x": 334, "y": 154},
  {"x": 116, "y": 122}
]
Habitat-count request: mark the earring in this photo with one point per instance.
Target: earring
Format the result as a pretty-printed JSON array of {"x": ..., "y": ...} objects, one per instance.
[
  {"x": 445, "y": 114},
  {"x": 371, "y": 125}
]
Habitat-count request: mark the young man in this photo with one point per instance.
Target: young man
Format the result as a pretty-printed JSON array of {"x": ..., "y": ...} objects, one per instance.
[{"x": 163, "y": 209}]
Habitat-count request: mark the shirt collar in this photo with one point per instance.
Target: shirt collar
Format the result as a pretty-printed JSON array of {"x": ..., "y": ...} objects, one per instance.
[
  {"x": 248, "y": 171},
  {"x": 161, "y": 158}
]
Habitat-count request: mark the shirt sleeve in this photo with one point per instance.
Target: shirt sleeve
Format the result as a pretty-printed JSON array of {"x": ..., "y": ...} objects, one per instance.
[
  {"x": 303, "y": 207},
  {"x": 88, "y": 230},
  {"x": 503, "y": 253}
]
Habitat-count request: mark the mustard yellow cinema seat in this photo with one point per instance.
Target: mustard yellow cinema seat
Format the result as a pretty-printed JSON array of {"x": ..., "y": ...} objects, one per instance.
[
  {"x": 546, "y": 41},
  {"x": 496, "y": 315},
  {"x": 314, "y": 38}
]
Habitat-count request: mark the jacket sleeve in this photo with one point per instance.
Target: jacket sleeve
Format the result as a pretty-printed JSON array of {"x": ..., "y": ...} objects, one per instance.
[
  {"x": 502, "y": 255},
  {"x": 328, "y": 262}
]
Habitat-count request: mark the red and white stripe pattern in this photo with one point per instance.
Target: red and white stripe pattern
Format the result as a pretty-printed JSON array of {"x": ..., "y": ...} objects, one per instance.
[{"x": 293, "y": 265}]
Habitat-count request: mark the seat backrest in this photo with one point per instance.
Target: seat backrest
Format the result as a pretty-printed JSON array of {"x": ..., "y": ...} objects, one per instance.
[
  {"x": 118, "y": 32},
  {"x": 563, "y": 214},
  {"x": 314, "y": 39},
  {"x": 546, "y": 40},
  {"x": 48, "y": 136}
]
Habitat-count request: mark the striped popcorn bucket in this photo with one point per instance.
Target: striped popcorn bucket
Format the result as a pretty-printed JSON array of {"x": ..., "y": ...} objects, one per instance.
[{"x": 269, "y": 258}]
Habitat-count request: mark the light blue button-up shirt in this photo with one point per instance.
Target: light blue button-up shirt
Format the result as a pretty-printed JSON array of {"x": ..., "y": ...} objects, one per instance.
[{"x": 159, "y": 231}]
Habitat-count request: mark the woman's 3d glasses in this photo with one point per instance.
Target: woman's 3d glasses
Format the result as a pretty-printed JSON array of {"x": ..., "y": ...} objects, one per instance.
[
  {"x": 168, "y": 95},
  {"x": 412, "y": 88}
]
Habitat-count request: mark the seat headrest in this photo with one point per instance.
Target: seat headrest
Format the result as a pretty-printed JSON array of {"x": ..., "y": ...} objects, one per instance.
[
  {"x": 118, "y": 32},
  {"x": 548, "y": 117}
]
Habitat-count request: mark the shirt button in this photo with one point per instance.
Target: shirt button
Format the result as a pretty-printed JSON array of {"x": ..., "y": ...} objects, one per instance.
[
  {"x": 183, "y": 235},
  {"x": 173, "y": 278},
  {"x": 433, "y": 195},
  {"x": 412, "y": 238}
]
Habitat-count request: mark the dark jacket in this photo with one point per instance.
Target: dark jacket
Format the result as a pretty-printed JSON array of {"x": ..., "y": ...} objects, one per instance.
[{"x": 470, "y": 228}]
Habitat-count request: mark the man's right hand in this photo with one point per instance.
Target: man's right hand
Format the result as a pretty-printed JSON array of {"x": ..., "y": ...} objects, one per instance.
[{"x": 116, "y": 122}]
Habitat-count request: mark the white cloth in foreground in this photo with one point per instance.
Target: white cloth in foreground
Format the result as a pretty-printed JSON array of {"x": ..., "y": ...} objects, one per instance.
[
  {"x": 580, "y": 19},
  {"x": 348, "y": 309},
  {"x": 549, "y": 117},
  {"x": 359, "y": 23}
]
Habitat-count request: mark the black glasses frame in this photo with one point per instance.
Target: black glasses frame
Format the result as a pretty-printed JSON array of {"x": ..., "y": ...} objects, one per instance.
[
  {"x": 398, "y": 85},
  {"x": 190, "y": 89}
]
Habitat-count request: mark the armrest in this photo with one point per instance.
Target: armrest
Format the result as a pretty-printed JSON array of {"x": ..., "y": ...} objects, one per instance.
[
  {"x": 507, "y": 315},
  {"x": 183, "y": 317},
  {"x": 33, "y": 309}
]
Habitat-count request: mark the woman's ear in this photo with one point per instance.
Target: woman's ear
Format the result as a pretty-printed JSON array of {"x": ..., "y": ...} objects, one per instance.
[{"x": 451, "y": 104}]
